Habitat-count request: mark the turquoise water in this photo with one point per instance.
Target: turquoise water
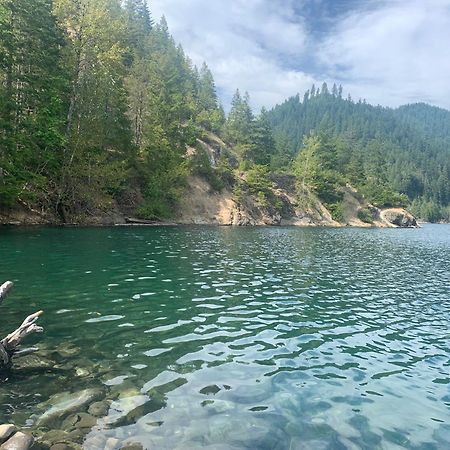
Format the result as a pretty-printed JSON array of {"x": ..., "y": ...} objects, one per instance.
[{"x": 255, "y": 338}]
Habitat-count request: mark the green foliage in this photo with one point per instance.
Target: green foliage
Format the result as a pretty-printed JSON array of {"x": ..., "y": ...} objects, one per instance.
[
  {"x": 337, "y": 211},
  {"x": 395, "y": 156},
  {"x": 238, "y": 192},
  {"x": 106, "y": 98},
  {"x": 238, "y": 126},
  {"x": 258, "y": 183},
  {"x": 382, "y": 196},
  {"x": 314, "y": 168},
  {"x": 225, "y": 171},
  {"x": 365, "y": 215},
  {"x": 94, "y": 97},
  {"x": 163, "y": 179},
  {"x": 31, "y": 79},
  {"x": 258, "y": 180},
  {"x": 200, "y": 165},
  {"x": 210, "y": 114},
  {"x": 252, "y": 136},
  {"x": 429, "y": 211}
]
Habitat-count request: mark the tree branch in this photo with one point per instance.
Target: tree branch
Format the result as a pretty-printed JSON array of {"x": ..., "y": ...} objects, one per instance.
[
  {"x": 10, "y": 345},
  {"x": 4, "y": 289}
]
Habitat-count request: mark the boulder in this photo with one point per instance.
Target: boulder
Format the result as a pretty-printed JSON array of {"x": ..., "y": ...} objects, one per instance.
[
  {"x": 19, "y": 441},
  {"x": 399, "y": 218},
  {"x": 6, "y": 431},
  {"x": 65, "y": 404},
  {"x": 33, "y": 362}
]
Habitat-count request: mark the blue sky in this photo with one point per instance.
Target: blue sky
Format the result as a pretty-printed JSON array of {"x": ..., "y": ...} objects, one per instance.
[{"x": 389, "y": 52}]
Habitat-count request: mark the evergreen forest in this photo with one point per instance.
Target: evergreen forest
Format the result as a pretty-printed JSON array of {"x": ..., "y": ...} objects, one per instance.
[{"x": 98, "y": 105}]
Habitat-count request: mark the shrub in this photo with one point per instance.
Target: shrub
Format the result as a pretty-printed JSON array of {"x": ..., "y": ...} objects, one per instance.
[
  {"x": 365, "y": 215},
  {"x": 337, "y": 211},
  {"x": 258, "y": 180}
]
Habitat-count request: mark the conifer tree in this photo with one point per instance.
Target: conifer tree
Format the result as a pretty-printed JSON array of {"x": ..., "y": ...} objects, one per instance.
[
  {"x": 139, "y": 25},
  {"x": 30, "y": 109},
  {"x": 210, "y": 114}
]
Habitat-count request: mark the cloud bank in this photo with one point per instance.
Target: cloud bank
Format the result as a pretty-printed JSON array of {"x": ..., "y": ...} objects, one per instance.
[{"x": 389, "y": 52}]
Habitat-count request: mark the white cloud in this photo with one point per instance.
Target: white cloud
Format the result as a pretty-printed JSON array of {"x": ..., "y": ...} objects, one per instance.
[
  {"x": 244, "y": 42},
  {"x": 389, "y": 52},
  {"x": 397, "y": 53}
]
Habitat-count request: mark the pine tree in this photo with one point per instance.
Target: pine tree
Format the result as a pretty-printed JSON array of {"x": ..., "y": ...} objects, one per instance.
[
  {"x": 334, "y": 91},
  {"x": 306, "y": 96},
  {"x": 97, "y": 131},
  {"x": 238, "y": 127},
  {"x": 262, "y": 139},
  {"x": 31, "y": 80},
  {"x": 139, "y": 25},
  {"x": 210, "y": 114}
]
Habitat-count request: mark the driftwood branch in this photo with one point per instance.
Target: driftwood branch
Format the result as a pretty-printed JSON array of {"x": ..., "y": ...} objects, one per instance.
[
  {"x": 4, "y": 289},
  {"x": 10, "y": 345}
]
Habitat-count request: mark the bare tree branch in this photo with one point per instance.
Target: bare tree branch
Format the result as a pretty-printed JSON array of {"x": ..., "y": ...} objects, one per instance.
[
  {"x": 10, "y": 345},
  {"x": 4, "y": 289}
]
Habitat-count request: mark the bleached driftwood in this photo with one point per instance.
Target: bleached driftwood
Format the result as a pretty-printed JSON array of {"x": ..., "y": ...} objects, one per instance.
[{"x": 10, "y": 345}]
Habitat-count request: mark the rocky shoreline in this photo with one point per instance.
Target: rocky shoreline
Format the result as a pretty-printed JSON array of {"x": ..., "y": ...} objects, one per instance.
[
  {"x": 389, "y": 218},
  {"x": 201, "y": 205},
  {"x": 78, "y": 418}
]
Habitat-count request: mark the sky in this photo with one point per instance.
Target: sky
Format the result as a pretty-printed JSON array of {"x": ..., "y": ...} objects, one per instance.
[{"x": 389, "y": 52}]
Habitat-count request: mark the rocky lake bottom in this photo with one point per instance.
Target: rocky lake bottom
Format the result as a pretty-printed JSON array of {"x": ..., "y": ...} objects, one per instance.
[{"x": 230, "y": 338}]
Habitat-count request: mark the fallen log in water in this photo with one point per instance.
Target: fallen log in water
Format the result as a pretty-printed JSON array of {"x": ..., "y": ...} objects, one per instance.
[{"x": 10, "y": 345}]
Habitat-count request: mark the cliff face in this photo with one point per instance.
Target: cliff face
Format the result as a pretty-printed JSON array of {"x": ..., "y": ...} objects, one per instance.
[{"x": 202, "y": 205}]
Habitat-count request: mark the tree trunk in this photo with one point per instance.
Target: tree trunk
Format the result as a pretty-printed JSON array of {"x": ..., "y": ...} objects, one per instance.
[{"x": 10, "y": 345}]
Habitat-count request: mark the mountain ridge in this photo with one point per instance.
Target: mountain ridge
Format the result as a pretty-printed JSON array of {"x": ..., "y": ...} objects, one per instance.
[{"x": 413, "y": 157}]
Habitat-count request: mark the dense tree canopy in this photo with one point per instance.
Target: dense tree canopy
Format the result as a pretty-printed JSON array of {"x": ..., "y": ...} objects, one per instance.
[
  {"x": 383, "y": 151},
  {"x": 99, "y": 104},
  {"x": 96, "y": 101}
]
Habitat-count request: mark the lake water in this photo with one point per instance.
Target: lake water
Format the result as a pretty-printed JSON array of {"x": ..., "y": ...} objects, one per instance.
[{"x": 255, "y": 338}]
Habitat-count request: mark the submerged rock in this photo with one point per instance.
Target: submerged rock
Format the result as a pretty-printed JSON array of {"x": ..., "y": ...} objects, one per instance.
[
  {"x": 212, "y": 389},
  {"x": 80, "y": 420},
  {"x": 85, "y": 421},
  {"x": 53, "y": 437},
  {"x": 32, "y": 362},
  {"x": 99, "y": 409},
  {"x": 62, "y": 405},
  {"x": 111, "y": 443},
  {"x": 65, "y": 446},
  {"x": 67, "y": 349},
  {"x": 132, "y": 446}
]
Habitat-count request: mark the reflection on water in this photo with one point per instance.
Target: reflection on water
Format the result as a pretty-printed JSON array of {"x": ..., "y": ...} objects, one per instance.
[{"x": 267, "y": 338}]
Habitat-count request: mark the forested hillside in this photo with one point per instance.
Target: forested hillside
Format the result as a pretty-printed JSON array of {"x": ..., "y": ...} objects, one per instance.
[
  {"x": 382, "y": 151},
  {"x": 96, "y": 103},
  {"x": 101, "y": 110}
]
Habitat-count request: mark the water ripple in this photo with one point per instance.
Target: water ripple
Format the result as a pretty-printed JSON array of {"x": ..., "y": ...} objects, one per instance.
[{"x": 246, "y": 338}]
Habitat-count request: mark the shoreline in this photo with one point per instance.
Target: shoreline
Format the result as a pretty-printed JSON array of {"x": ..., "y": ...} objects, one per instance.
[{"x": 210, "y": 225}]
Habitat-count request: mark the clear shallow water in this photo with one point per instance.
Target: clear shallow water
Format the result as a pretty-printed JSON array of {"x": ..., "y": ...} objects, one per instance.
[{"x": 258, "y": 338}]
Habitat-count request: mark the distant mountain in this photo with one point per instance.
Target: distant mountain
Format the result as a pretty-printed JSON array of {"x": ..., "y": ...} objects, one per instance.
[
  {"x": 408, "y": 148},
  {"x": 431, "y": 120}
]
